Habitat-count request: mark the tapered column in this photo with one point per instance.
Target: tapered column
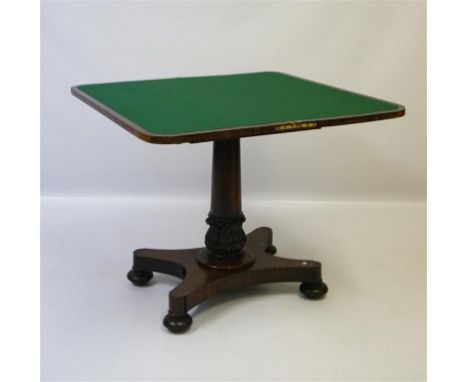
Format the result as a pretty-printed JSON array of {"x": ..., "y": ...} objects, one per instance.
[
  {"x": 225, "y": 238},
  {"x": 226, "y": 195}
]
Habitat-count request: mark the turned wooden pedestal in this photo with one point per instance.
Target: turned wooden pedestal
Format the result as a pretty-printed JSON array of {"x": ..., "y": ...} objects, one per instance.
[{"x": 230, "y": 259}]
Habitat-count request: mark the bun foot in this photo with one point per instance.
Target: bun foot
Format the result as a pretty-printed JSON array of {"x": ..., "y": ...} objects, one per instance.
[
  {"x": 271, "y": 250},
  {"x": 314, "y": 291},
  {"x": 139, "y": 278},
  {"x": 176, "y": 323}
]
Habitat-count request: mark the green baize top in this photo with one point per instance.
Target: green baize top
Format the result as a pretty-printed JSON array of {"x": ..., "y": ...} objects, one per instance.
[{"x": 199, "y": 104}]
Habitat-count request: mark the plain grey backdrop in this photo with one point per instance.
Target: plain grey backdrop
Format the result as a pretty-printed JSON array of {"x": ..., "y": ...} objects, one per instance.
[{"x": 352, "y": 197}]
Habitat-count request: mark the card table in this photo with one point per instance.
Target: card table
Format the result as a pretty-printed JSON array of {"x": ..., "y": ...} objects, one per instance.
[{"x": 223, "y": 109}]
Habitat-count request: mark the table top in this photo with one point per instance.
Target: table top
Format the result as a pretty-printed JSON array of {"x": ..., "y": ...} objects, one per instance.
[{"x": 199, "y": 109}]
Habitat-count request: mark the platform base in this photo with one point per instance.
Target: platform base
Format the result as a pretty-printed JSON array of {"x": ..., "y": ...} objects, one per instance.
[{"x": 201, "y": 282}]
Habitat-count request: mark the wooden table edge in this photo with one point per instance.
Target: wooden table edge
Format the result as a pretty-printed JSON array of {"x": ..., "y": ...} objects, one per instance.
[{"x": 235, "y": 132}]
